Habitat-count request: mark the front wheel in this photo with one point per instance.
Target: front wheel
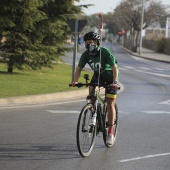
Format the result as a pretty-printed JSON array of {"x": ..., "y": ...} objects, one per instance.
[
  {"x": 86, "y": 132},
  {"x": 115, "y": 126}
]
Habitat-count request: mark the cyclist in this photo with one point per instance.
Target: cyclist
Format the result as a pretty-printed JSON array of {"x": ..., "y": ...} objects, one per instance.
[{"x": 109, "y": 72}]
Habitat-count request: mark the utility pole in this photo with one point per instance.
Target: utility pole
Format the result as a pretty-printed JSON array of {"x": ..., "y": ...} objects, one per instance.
[
  {"x": 141, "y": 27},
  {"x": 75, "y": 48}
]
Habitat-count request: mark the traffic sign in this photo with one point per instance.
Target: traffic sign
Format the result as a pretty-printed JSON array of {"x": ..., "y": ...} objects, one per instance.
[{"x": 72, "y": 24}]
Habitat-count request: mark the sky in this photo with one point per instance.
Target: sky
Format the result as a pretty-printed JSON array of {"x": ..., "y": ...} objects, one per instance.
[{"x": 105, "y": 5}]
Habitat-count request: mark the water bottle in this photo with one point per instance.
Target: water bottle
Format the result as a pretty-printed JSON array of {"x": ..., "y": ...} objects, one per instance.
[{"x": 94, "y": 118}]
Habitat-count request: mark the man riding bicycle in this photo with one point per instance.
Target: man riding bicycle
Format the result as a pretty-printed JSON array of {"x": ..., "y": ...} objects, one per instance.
[{"x": 104, "y": 64}]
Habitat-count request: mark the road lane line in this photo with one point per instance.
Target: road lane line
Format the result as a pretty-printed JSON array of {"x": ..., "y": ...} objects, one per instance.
[
  {"x": 144, "y": 157},
  {"x": 129, "y": 67},
  {"x": 142, "y": 71},
  {"x": 39, "y": 105},
  {"x": 126, "y": 113},
  {"x": 63, "y": 111},
  {"x": 155, "y": 112},
  {"x": 165, "y": 102},
  {"x": 156, "y": 74},
  {"x": 145, "y": 68}
]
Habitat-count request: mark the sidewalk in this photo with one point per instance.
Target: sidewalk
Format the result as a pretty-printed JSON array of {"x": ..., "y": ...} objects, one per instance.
[
  {"x": 151, "y": 55},
  {"x": 70, "y": 95}
]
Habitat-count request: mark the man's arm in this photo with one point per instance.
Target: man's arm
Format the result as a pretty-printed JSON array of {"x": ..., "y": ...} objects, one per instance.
[
  {"x": 77, "y": 74},
  {"x": 115, "y": 72}
]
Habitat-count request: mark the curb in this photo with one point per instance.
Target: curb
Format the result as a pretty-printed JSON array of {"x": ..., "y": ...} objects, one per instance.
[
  {"x": 47, "y": 98},
  {"x": 145, "y": 57},
  {"x": 41, "y": 98}
]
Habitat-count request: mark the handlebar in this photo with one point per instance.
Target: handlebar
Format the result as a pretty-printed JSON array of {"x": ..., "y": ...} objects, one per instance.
[
  {"x": 81, "y": 85},
  {"x": 105, "y": 85}
]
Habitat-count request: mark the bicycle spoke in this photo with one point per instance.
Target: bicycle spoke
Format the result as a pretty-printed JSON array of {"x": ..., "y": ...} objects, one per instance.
[{"x": 85, "y": 134}]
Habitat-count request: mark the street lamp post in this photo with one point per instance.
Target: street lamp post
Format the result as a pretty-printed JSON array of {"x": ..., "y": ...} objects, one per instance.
[{"x": 142, "y": 16}]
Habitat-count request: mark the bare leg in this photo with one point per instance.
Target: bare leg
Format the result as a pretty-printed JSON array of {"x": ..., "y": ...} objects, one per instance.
[
  {"x": 111, "y": 112},
  {"x": 90, "y": 92}
]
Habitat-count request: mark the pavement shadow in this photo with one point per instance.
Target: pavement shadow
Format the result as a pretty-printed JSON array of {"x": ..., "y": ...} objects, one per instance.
[{"x": 15, "y": 152}]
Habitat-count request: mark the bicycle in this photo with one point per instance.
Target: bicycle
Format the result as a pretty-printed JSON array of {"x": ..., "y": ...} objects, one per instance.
[{"x": 92, "y": 120}]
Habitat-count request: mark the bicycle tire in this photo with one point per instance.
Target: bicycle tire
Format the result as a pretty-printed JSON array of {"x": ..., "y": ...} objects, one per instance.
[
  {"x": 100, "y": 121},
  {"x": 86, "y": 132},
  {"x": 105, "y": 119}
]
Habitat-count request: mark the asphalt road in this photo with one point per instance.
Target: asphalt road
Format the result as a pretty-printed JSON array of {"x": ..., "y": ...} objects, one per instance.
[{"x": 43, "y": 137}]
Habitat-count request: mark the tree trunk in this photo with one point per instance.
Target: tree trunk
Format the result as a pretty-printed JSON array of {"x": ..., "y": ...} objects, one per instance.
[
  {"x": 133, "y": 40},
  {"x": 10, "y": 65},
  {"x": 137, "y": 40},
  {"x": 130, "y": 39}
]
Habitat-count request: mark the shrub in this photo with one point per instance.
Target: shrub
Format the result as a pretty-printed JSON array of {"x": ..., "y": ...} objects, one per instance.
[
  {"x": 167, "y": 46},
  {"x": 161, "y": 45}
]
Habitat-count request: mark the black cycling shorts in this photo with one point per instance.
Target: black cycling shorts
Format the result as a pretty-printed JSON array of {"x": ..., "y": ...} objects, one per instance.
[{"x": 110, "y": 93}]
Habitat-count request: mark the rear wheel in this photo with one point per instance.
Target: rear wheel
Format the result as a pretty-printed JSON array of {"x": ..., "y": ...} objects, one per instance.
[
  {"x": 86, "y": 132},
  {"x": 115, "y": 126}
]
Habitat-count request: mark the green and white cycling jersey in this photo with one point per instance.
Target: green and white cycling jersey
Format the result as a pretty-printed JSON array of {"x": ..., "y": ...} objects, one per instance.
[{"x": 107, "y": 61}]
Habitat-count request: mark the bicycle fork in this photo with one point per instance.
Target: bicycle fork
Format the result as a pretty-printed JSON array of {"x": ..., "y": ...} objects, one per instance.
[{"x": 94, "y": 115}]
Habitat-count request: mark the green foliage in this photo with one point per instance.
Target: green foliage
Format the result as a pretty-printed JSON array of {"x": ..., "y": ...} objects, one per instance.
[
  {"x": 167, "y": 49},
  {"x": 111, "y": 23},
  {"x": 35, "y": 31},
  {"x": 161, "y": 44},
  {"x": 93, "y": 20},
  {"x": 108, "y": 21}
]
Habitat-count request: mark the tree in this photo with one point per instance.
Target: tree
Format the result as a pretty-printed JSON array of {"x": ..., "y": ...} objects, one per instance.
[
  {"x": 93, "y": 23},
  {"x": 128, "y": 15},
  {"x": 110, "y": 23},
  {"x": 93, "y": 20},
  {"x": 35, "y": 31}
]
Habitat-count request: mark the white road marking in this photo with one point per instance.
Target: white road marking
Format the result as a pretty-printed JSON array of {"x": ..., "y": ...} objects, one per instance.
[
  {"x": 144, "y": 157},
  {"x": 156, "y": 74},
  {"x": 129, "y": 67},
  {"x": 165, "y": 102},
  {"x": 160, "y": 69},
  {"x": 63, "y": 111},
  {"x": 121, "y": 68},
  {"x": 136, "y": 58},
  {"x": 124, "y": 112},
  {"x": 156, "y": 112},
  {"x": 145, "y": 68},
  {"x": 40, "y": 105}
]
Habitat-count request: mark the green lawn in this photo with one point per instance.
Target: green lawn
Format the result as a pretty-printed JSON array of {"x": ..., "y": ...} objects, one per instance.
[{"x": 46, "y": 80}]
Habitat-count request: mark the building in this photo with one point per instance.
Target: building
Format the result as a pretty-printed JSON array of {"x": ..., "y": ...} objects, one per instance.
[{"x": 158, "y": 30}]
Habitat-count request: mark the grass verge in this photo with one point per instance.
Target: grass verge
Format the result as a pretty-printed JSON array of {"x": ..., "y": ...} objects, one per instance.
[{"x": 46, "y": 80}]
